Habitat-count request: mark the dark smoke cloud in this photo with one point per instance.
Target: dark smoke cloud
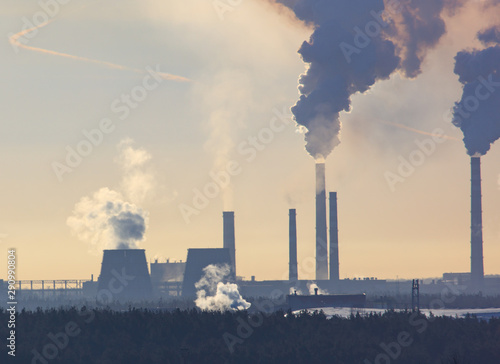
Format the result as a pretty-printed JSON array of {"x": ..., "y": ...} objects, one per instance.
[
  {"x": 288, "y": 3},
  {"x": 490, "y": 36},
  {"x": 336, "y": 73},
  {"x": 355, "y": 44},
  {"x": 417, "y": 26},
  {"x": 477, "y": 114},
  {"x": 128, "y": 227}
]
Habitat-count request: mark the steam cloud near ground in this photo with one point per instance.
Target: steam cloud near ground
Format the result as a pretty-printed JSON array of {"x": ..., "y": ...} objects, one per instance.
[{"x": 215, "y": 294}]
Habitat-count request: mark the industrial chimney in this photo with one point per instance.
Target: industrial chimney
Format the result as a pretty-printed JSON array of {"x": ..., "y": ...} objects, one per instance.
[
  {"x": 228, "y": 238},
  {"x": 292, "y": 273},
  {"x": 124, "y": 276},
  {"x": 321, "y": 238},
  {"x": 477, "y": 270},
  {"x": 334, "y": 239}
]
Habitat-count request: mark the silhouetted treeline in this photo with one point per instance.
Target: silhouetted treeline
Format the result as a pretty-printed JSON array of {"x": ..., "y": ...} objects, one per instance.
[
  {"x": 158, "y": 336},
  {"x": 33, "y": 302},
  {"x": 433, "y": 301},
  {"x": 402, "y": 301}
]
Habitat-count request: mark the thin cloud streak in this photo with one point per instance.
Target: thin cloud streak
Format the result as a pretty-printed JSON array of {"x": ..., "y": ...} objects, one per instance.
[{"x": 14, "y": 40}]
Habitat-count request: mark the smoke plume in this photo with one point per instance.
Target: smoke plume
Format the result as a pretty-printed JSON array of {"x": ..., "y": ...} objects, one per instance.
[
  {"x": 215, "y": 295},
  {"x": 490, "y": 36},
  {"x": 355, "y": 44},
  {"x": 108, "y": 219},
  {"x": 137, "y": 182},
  {"x": 294, "y": 290},
  {"x": 417, "y": 26},
  {"x": 226, "y": 99},
  {"x": 312, "y": 286},
  {"x": 477, "y": 114}
]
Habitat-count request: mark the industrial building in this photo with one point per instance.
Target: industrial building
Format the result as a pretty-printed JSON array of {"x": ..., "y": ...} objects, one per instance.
[
  {"x": 166, "y": 277},
  {"x": 125, "y": 276}
]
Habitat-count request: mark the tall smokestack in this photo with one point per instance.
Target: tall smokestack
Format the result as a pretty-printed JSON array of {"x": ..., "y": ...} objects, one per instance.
[
  {"x": 292, "y": 273},
  {"x": 477, "y": 270},
  {"x": 228, "y": 239},
  {"x": 334, "y": 239},
  {"x": 321, "y": 238}
]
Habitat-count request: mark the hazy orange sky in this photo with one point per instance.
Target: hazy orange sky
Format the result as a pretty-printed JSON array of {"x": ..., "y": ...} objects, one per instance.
[{"x": 243, "y": 69}]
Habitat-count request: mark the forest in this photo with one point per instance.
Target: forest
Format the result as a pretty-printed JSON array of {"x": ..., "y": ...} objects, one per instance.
[{"x": 103, "y": 336}]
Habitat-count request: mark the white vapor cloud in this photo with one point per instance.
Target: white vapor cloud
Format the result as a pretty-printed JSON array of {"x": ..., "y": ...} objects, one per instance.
[
  {"x": 137, "y": 183},
  {"x": 108, "y": 222},
  {"x": 110, "y": 219},
  {"x": 215, "y": 295},
  {"x": 311, "y": 286}
]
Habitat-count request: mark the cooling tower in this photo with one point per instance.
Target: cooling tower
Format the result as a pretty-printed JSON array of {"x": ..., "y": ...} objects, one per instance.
[
  {"x": 334, "y": 239},
  {"x": 198, "y": 259},
  {"x": 124, "y": 276},
  {"x": 292, "y": 273},
  {"x": 228, "y": 239},
  {"x": 477, "y": 270},
  {"x": 321, "y": 238}
]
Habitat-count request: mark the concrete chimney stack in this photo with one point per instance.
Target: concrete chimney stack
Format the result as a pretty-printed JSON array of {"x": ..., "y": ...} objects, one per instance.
[
  {"x": 228, "y": 238},
  {"x": 477, "y": 269},
  {"x": 292, "y": 273},
  {"x": 321, "y": 230},
  {"x": 334, "y": 239}
]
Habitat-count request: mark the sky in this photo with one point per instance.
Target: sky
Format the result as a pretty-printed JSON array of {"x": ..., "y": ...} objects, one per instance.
[{"x": 226, "y": 114}]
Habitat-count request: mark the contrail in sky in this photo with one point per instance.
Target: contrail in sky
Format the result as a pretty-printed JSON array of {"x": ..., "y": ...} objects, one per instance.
[
  {"x": 14, "y": 40},
  {"x": 413, "y": 130}
]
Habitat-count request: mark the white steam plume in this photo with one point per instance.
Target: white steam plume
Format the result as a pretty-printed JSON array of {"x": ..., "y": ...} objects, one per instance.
[
  {"x": 226, "y": 98},
  {"x": 108, "y": 222},
  {"x": 137, "y": 183},
  {"x": 215, "y": 295},
  {"x": 311, "y": 286},
  {"x": 109, "y": 219}
]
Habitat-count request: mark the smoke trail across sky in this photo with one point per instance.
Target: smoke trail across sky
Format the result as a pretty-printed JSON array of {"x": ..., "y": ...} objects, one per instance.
[
  {"x": 414, "y": 130},
  {"x": 15, "y": 40},
  {"x": 215, "y": 295},
  {"x": 106, "y": 219}
]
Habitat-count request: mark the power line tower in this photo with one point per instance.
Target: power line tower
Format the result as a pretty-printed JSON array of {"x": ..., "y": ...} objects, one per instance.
[{"x": 415, "y": 295}]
